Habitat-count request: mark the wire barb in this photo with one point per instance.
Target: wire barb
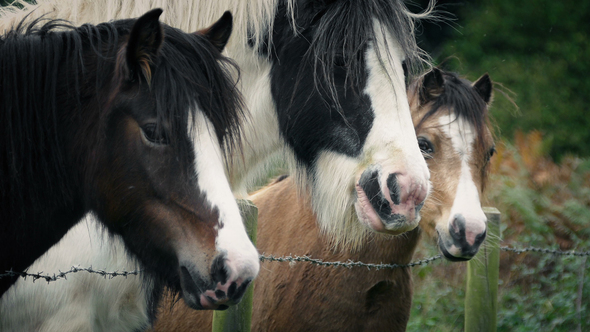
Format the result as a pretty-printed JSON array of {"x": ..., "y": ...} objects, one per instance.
[{"x": 349, "y": 264}]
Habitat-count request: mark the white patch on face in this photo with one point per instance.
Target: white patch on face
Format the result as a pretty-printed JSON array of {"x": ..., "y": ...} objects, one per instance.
[
  {"x": 391, "y": 143},
  {"x": 467, "y": 201},
  {"x": 231, "y": 238},
  {"x": 392, "y": 139},
  {"x": 334, "y": 196}
]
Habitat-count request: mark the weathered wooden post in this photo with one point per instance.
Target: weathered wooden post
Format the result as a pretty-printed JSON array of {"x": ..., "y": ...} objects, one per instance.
[
  {"x": 481, "y": 296},
  {"x": 238, "y": 318}
]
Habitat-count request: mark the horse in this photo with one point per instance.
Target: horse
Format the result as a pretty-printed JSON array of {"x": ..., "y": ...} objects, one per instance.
[
  {"x": 124, "y": 120},
  {"x": 319, "y": 90},
  {"x": 451, "y": 119}
]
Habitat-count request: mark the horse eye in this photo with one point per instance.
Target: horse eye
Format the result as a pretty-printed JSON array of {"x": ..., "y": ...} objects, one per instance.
[
  {"x": 491, "y": 153},
  {"x": 153, "y": 134},
  {"x": 426, "y": 147}
]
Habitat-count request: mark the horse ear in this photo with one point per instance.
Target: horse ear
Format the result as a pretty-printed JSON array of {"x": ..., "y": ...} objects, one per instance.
[
  {"x": 144, "y": 42},
  {"x": 432, "y": 85},
  {"x": 218, "y": 34},
  {"x": 484, "y": 86}
]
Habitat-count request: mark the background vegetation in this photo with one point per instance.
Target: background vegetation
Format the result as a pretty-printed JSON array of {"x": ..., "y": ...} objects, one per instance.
[{"x": 540, "y": 50}]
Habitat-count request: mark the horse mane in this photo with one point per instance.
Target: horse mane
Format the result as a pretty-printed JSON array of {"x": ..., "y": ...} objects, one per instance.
[
  {"x": 43, "y": 64},
  {"x": 343, "y": 28},
  {"x": 40, "y": 69},
  {"x": 460, "y": 97},
  {"x": 207, "y": 80}
]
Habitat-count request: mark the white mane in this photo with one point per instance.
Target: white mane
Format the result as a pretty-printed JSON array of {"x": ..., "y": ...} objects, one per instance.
[{"x": 252, "y": 19}]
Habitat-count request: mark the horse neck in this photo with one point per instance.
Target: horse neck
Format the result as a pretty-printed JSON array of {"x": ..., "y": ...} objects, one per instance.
[
  {"x": 261, "y": 141},
  {"x": 48, "y": 139}
]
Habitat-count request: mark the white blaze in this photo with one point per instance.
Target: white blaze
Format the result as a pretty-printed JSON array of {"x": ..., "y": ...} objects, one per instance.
[
  {"x": 391, "y": 143},
  {"x": 232, "y": 237},
  {"x": 467, "y": 200}
]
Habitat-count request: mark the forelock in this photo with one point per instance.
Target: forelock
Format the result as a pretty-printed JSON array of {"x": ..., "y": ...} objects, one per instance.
[
  {"x": 341, "y": 30},
  {"x": 462, "y": 99}
]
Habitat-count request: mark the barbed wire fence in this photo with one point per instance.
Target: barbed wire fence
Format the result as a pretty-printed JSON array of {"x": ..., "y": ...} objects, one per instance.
[{"x": 285, "y": 259}]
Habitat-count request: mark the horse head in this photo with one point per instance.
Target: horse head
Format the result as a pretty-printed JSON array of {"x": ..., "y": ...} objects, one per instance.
[
  {"x": 160, "y": 179},
  {"x": 451, "y": 119},
  {"x": 337, "y": 80}
]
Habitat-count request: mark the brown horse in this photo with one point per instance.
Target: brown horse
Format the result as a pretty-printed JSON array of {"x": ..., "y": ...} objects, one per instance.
[
  {"x": 306, "y": 297},
  {"x": 124, "y": 120}
]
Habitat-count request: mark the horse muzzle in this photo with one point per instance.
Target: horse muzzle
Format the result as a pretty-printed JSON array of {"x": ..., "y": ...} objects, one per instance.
[
  {"x": 462, "y": 240},
  {"x": 389, "y": 202},
  {"x": 225, "y": 287}
]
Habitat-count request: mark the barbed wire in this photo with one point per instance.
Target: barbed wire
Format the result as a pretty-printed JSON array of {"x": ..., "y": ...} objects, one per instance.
[
  {"x": 290, "y": 259},
  {"x": 63, "y": 275},
  {"x": 348, "y": 264},
  {"x": 546, "y": 251}
]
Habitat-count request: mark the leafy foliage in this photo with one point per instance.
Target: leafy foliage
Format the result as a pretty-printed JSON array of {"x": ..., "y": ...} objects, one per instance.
[{"x": 540, "y": 50}]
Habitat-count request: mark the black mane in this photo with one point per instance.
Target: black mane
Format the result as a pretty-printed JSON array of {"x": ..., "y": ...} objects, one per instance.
[
  {"x": 460, "y": 97},
  {"x": 341, "y": 31},
  {"x": 49, "y": 65}
]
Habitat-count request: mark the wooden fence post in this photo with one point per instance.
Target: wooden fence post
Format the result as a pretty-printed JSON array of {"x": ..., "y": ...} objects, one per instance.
[
  {"x": 481, "y": 295},
  {"x": 238, "y": 318}
]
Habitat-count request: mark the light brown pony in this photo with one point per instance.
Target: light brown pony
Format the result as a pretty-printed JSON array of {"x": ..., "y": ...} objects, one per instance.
[{"x": 305, "y": 297}]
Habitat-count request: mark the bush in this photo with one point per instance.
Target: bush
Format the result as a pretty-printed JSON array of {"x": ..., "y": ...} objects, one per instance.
[{"x": 539, "y": 49}]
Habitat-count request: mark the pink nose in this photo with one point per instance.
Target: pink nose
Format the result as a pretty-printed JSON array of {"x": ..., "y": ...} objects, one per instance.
[
  {"x": 396, "y": 200},
  {"x": 390, "y": 202},
  {"x": 224, "y": 295},
  {"x": 405, "y": 193}
]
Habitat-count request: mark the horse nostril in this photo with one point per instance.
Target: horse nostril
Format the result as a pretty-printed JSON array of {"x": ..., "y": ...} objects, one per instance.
[
  {"x": 369, "y": 182},
  {"x": 219, "y": 269},
  {"x": 479, "y": 239},
  {"x": 237, "y": 296},
  {"x": 232, "y": 290},
  {"x": 394, "y": 190},
  {"x": 457, "y": 229}
]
